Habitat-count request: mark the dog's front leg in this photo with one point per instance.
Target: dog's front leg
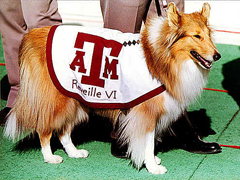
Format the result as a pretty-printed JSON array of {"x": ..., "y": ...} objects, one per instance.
[{"x": 152, "y": 162}]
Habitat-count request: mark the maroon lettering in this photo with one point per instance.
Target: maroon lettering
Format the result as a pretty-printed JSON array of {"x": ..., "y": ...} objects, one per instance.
[
  {"x": 113, "y": 93},
  {"x": 95, "y": 69},
  {"x": 78, "y": 61},
  {"x": 110, "y": 68}
]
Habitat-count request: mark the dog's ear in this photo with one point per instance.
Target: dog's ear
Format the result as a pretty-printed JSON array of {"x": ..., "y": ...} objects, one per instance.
[
  {"x": 173, "y": 15},
  {"x": 205, "y": 12}
]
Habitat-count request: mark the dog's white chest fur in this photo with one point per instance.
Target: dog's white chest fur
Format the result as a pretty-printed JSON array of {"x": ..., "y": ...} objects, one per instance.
[{"x": 192, "y": 81}]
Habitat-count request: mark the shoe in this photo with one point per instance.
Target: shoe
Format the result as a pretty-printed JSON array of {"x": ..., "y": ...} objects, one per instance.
[
  {"x": 3, "y": 115},
  {"x": 117, "y": 150},
  {"x": 188, "y": 136},
  {"x": 197, "y": 145}
]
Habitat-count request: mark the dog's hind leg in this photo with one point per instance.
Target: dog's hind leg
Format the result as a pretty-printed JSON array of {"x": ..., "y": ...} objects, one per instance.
[
  {"x": 46, "y": 149},
  {"x": 151, "y": 161},
  {"x": 69, "y": 147}
]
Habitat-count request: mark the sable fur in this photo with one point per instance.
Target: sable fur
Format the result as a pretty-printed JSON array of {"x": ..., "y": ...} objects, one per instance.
[{"x": 167, "y": 44}]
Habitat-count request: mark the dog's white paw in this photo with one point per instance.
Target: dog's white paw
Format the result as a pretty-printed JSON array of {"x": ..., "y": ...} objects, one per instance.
[
  {"x": 156, "y": 169},
  {"x": 78, "y": 153},
  {"x": 158, "y": 160},
  {"x": 53, "y": 159}
]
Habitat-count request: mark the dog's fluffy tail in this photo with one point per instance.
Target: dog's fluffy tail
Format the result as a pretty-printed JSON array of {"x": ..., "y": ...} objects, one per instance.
[
  {"x": 27, "y": 108},
  {"x": 14, "y": 128},
  {"x": 11, "y": 129}
]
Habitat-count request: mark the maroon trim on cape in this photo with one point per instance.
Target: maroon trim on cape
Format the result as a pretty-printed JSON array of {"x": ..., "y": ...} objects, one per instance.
[{"x": 55, "y": 81}]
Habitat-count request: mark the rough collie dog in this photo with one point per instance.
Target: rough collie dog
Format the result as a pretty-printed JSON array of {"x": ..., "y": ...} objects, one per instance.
[{"x": 178, "y": 53}]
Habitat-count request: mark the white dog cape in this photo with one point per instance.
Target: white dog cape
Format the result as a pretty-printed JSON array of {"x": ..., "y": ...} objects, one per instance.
[{"x": 102, "y": 68}]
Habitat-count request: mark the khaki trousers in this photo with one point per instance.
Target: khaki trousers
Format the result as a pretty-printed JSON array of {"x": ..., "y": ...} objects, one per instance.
[
  {"x": 128, "y": 15},
  {"x": 18, "y": 17}
]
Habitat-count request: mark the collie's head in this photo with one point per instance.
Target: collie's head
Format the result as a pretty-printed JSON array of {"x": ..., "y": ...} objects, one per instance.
[
  {"x": 191, "y": 36},
  {"x": 174, "y": 41}
]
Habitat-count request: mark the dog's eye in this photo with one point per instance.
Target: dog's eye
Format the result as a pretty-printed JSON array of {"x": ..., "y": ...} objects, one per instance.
[{"x": 197, "y": 36}]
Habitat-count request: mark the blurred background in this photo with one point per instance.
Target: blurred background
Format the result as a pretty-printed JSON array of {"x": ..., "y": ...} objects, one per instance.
[{"x": 224, "y": 18}]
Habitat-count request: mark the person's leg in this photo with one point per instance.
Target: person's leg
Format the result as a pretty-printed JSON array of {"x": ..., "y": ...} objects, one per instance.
[
  {"x": 17, "y": 18},
  {"x": 12, "y": 29},
  {"x": 40, "y": 13},
  {"x": 123, "y": 15}
]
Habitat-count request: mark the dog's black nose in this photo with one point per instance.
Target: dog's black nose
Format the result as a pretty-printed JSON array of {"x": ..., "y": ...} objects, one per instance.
[{"x": 216, "y": 56}]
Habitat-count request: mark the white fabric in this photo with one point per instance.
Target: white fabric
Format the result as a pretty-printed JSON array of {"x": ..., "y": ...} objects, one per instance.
[{"x": 134, "y": 80}]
